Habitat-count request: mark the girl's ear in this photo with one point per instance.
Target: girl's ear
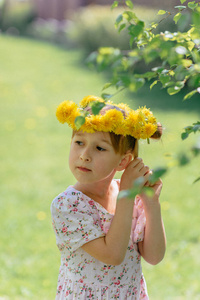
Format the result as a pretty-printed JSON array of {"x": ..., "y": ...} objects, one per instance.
[{"x": 125, "y": 161}]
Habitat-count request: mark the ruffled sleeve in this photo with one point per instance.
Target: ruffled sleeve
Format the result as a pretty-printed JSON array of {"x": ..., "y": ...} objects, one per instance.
[
  {"x": 75, "y": 222},
  {"x": 139, "y": 221}
]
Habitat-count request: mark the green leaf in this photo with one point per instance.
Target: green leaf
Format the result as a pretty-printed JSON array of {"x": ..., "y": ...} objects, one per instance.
[
  {"x": 96, "y": 107},
  {"x": 183, "y": 1},
  {"x": 129, "y": 3},
  {"x": 173, "y": 90},
  {"x": 183, "y": 159},
  {"x": 154, "y": 83},
  {"x": 190, "y": 94},
  {"x": 121, "y": 27},
  {"x": 106, "y": 96},
  {"x": 118, "y": 20},
  {"x": 79, "y": 121},
  {"x": 149, "y": 75},
  {"x": 177, "y": 17},
  {"x": 180, "y": 7},
  {"x": 148, "y": 191},
  {"x": 130, "y": 16},
  {"x": 192, "y": 5},
  {"x": 196, "y": 150},
  {"x": 164, "y": 78},
  {"x": 106, "y": 86},
  {"x": 135, "y": 30},
  {"x": 156, "y": 174},
  {"x": 115, "y": 4},
  {"x": 184, "y": 135},
  {"x": 181, "y": 50},
  {"x": 197, "y": 179},
  {"x": 161, "y": 12},
  {"x": 136, "y": 84}
]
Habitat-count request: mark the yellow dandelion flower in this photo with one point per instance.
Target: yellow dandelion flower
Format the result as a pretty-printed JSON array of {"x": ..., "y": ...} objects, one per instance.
[
  {"x": 131, "y": 120},
  {"x": 141, "y": 116},
  {"x": 151, "y": 119},
  {"x": 66, "y": 111},
  {"x": 114, "y": 117},
  {"x": 121, "y": 129},
  {"x": 88, "y": 99},
  {"x": 124, "y": 107},
  {"x": 150, "y": 129}
]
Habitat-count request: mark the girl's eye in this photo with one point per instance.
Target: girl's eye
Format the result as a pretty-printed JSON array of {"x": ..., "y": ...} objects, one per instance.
[
  {"x": 79, "y": 143},
  {"x": 100, "y": 149}
]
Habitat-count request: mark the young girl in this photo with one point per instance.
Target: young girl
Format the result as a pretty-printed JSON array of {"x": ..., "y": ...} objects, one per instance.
[{"x": 101, "y": 236}]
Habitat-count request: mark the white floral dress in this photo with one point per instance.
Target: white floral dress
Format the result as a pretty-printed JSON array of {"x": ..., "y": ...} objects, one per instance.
[{"x": 77, "y": 219}]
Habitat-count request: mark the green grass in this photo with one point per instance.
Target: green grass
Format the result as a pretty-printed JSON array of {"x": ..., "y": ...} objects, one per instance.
[{"x": 34, "y": 78}]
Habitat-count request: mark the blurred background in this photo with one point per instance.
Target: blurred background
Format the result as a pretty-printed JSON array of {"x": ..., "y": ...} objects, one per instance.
[{"x": 44, "y": 45}]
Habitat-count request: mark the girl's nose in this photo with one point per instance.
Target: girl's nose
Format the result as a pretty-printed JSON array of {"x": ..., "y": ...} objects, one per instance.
[{"x": 84, "y": 156}]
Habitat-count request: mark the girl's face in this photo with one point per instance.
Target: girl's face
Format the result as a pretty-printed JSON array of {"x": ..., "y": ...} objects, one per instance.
[{"x": 92, "y": 157}]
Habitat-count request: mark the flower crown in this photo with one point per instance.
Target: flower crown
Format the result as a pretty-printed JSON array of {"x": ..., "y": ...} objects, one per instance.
[{"x": 118, "y": 118}]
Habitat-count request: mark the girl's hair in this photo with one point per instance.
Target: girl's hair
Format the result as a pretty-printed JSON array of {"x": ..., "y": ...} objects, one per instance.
[{"x": 123, "y": 144}]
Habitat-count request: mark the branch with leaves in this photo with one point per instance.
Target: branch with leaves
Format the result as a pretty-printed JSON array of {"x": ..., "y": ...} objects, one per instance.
[{"x": 176, "y": 56}]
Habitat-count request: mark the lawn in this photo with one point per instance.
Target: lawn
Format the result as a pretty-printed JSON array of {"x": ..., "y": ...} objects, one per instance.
[{"x": 34, "y": 78}]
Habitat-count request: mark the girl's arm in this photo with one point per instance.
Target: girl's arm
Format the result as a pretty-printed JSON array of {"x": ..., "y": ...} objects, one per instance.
[
  {"x": 112, "y": 248},
  {"x": 152, "y": 248}
]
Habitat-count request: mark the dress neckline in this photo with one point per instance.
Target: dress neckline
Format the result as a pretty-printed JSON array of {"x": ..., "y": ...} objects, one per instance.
[{"x": 96, "y": 203}]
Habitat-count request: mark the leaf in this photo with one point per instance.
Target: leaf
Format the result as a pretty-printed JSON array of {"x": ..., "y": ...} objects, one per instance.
[
  {"x": 121, "y": 27},
  {"x": 149, "y": 75},
  {"x": 183, "y": 1},
  {"x": 79, "y": 121},
  {"x": 161, "y": 12},
  {"x": 196, "y": 150},
  {"x": 164, "y": 78},
  {"x": 136, "y": 84},
  {"x": 173, "y": 90},
  {"x": 129, "y": 16},
  {"x": 96, "y": 107},
  {"x": 156, "y": 174},
  {"x": 154, "y": 83},
  {"x": 177, "y": 17},
  {"x": 180, "y": 7},
  {"x": 190, "y": 94},
  {"x": 115, "y": 4},
  {"x": 181, "y": 50},
  {"x": 129, "y": 3},
  {"x": 118, "y": 20},
  {"x": 148, "y": 191},
  {"x": 135, "y": 30},
  {"x": 107, "y": 85},
  {"x": 106, "y": 96},
  {"x": 183, "y": 159},
  {"x": 197, "y": 179},
  {"x": 184, "y": 135},
  {"x": 192, "y": 5}
]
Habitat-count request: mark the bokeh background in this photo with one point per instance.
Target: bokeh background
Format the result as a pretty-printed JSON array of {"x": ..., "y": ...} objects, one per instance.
[{"x": 43, "y": 52}]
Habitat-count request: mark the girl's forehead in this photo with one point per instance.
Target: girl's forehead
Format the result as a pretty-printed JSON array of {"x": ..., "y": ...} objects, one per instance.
[{"x": 98, "y": 135}]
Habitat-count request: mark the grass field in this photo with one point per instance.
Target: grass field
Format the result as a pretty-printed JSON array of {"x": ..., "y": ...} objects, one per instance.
[{"x": 34, "y": 78}]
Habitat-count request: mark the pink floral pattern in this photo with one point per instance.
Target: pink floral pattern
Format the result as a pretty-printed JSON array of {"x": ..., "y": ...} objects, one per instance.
[{"x": 77, "y": 219}]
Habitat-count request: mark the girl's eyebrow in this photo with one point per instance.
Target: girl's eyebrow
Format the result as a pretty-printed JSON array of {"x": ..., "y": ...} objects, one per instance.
[{"x": 106, "y": 141}]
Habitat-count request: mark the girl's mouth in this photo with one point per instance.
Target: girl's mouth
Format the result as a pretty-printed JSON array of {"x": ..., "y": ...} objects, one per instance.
[{"x": 83, "y": 169}]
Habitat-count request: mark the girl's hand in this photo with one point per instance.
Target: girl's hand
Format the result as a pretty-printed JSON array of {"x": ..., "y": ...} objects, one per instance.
[
  {"x": 148, "y": 200},
  {"x": 133, "y": 171}
]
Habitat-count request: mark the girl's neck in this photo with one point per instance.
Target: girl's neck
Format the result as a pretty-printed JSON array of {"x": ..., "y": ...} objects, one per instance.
[{"x": 105, "y": 193}]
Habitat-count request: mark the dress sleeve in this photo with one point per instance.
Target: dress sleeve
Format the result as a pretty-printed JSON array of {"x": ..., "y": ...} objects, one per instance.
[
  {"x": 74, "y": 221},
  {"x": 139, "y": 221}
]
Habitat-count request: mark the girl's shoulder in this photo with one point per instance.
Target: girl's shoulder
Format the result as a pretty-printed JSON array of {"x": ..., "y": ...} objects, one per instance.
[{"x": 70, "y": 199}]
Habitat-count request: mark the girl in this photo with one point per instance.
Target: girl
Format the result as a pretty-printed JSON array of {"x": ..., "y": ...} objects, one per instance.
[{"x": 101, "y": 236}]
